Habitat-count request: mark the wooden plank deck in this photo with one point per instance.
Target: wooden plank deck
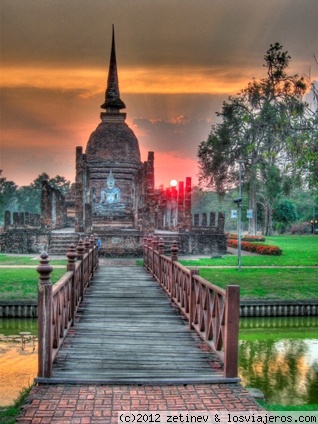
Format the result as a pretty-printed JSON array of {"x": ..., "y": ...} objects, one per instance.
[{"x": 127, "y": 332}]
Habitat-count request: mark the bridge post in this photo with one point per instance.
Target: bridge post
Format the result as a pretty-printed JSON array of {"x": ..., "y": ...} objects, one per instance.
[
  {"x": 86, "y": 245},
  {"x": 45, "y": 300},
  {"x": 86, "y": 261},
  {"x": 71, "y": 255},
  {"x": 174, "y": 258},
  {"x": 149, "y": 253},
  {"x": 232, "y": 316},
  {"x": 145, "y": 250},
  {"x": 154, "y": 253},
  {"x": 96, "y": 261},
  {"x": 192, "y": 299},
  {"x": 92, "y": 245},
  {"x": 80, "y": 253},
  {"x": 161, "y": 249},
  {"x": 161, "y": 246}
]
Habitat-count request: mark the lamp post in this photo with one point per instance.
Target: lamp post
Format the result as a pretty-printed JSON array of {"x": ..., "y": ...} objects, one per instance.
[{"x": 239, "y": 218}]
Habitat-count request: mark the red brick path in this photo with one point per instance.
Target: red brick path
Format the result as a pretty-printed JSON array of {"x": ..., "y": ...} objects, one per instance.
[{"x": 100, "y": 404}]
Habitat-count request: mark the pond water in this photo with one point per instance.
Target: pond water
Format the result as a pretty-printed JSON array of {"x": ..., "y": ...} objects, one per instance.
[
  {"x": 279, "y": 356},
  {"x": 18, "y": 357}
]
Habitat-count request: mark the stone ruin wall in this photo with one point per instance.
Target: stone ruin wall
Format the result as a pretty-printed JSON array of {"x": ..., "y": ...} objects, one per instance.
[
  {"x": 207, "y": 237},
  {"x": 25, "y": 232},
  {"x": 23, "y": 241},
  {"x": 53, "y": 208},
  {"x": 119, "y": 244}
]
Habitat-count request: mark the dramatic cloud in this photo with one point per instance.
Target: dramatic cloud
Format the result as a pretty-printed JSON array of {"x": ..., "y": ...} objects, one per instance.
[{"x": 177, "y": 61}]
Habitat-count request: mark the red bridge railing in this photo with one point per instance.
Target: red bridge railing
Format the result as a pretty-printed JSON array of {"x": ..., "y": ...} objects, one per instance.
[
  {"x": 211, "y": 311},
  {"x": 58, "y": 303}
]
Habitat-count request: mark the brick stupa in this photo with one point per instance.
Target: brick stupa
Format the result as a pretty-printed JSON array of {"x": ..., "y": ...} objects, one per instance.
[{"x": 110, "y": 175}]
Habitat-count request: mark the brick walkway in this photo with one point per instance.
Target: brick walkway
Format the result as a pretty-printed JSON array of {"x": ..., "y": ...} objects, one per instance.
[{"x": 100, "y": 404}]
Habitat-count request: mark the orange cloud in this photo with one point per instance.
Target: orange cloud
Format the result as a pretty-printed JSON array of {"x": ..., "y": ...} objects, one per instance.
[{"x": 152, "y": 80}]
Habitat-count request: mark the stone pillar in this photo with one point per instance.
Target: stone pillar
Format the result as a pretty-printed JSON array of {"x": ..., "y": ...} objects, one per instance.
[
  {"x": 149, "y": 194},
  {"x": 15, "y": 219},
  {"x": 187, "y": 205},
  {"x": 21, "y": 218},
  {"x": 88, "y": 216},
  {"x": 7, "y": 220},
  {"x": 221, "y": 222},
  {"x": 46, "y": 205},
  {"x": 79, "y": 206},
  {"x": 181, "y": 214},
  {"x": 212, "y": 219},
  {"x": 27, "y": 218}
]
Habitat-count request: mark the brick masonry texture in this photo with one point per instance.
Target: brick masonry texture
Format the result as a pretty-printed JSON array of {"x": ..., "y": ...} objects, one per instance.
[{"x": 100, "y": 404}]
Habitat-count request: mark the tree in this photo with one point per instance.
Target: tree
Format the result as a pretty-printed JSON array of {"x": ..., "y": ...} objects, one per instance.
[
  {"x": 8, "y": 191},
  {"x": 284, "y": 213},
  {"x": 29, "y": 197},
  {"x": 261, "y": 126}
]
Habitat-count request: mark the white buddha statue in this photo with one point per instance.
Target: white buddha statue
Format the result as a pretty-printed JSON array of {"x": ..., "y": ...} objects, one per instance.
[{"x": 111, "y": 194}]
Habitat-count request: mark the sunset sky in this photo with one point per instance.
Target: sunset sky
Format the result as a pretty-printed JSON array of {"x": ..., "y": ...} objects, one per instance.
[{"x": 178, "y": 60}]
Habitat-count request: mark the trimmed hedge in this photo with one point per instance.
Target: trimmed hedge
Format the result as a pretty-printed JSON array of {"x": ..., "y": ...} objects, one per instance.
[
  {"x": 246, "y": 237},
  {"x": 261, "y": 249}
]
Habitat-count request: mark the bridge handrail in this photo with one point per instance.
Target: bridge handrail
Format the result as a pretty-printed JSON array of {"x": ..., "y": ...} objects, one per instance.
[
  {"x": 211, "y": 311},
  {"x": 57, "y": 305}
]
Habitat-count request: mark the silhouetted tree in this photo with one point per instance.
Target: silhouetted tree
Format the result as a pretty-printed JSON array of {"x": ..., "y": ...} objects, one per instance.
[{"x": 262, "y": 126}]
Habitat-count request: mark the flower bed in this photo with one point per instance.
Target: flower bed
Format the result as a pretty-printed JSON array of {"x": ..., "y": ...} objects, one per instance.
[{"x": 261, "y": 249}]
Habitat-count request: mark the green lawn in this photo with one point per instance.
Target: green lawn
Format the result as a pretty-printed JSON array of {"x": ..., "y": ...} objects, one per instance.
[
  {"x": 9, "y": 414},
  {"x": 27, "y": 260},
  {"x": 22, "y": 284},
  {"x": 296, "y": 408},
  {"x": 297, "y": 251},
  {"x": 267, "y": 284}
]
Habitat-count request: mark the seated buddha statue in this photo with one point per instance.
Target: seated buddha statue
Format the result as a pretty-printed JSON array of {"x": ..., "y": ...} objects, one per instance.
[{"x": 111, "y": 194}]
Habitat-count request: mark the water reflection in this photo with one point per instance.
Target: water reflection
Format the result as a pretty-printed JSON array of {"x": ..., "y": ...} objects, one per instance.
[
  {"x": 10, "y": 326},
  {"x": 280, "y": 358},
  {"x": 18, "y": 353}
]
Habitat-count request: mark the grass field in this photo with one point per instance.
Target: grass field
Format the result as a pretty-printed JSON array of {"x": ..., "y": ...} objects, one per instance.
[
  {"x": 22, "y": 283},
  {"x": 260, "y": 283},
  {"x": 281, "y": 283},
  {"x": 267, "y": 284},
  {"x": 297, "y": 251},
  {"x": 27, "y": 260}
]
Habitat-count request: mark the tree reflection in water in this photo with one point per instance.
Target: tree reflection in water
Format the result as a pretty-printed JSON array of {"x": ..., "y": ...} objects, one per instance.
[{"x": 279, "y": 362}]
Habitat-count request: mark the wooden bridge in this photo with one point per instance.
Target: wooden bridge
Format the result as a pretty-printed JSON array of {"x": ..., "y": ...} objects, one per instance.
[{"x": 117, "y": 325}]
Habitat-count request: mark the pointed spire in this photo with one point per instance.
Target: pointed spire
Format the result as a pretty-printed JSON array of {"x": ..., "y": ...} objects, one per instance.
[{"x": 113, "y": 103}]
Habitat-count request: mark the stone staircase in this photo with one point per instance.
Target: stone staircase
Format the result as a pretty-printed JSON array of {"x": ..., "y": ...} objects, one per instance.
[
  {"x": 60, "y": 242},
  {"x": 168, "y": 239}
]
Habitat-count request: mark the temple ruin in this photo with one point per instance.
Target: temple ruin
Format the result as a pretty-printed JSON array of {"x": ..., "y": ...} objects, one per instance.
[{"x": 114, "y": 195}]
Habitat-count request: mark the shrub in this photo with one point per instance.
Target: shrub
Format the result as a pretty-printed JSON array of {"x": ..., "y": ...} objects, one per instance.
[
  {"x": 261, "y": 249},
  {"x": 233, "y": 236},
  {"x": 253, "y": 238},
  {"x": 303, "y": 228}
]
